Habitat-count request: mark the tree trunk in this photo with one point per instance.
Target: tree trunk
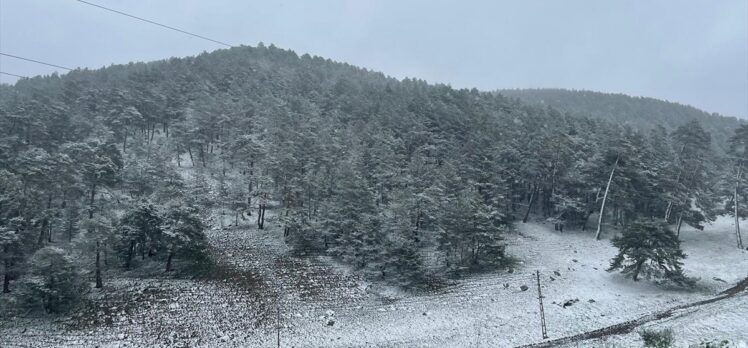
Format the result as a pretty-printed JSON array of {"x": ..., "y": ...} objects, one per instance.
[
  {"x": 189, "y": 151},
  {"x": 49, "y": 225},
  {"x": 529, "y": 205},
  {"x": 669, "y": 209},
  {"x": 130, "y": 252},
  {"x": 262, "y": 219},
  {"x": 99, "y": 284},
  {"x": 202, "y": 156},
  {"x": 586, "y": 219},
  {"x": 737, "y": 217},
  {"x": 605, "y": 197},
  {"x": 638, "y": 269},
  {"x": 42, "y": 232},
  {"x": 6, "y": 275},
  {"x": 91, "y": 202},
  {"x": 168, "y": 260},
  {"x": 124, "y": 143},
  {"x": 70, "y": 227},
  {"x": 6, "y": 280},
  {"x": 680, "y": 222}
]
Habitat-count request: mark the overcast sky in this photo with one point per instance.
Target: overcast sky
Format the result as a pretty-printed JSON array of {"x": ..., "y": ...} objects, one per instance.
[{"x": 692, "y": 52}]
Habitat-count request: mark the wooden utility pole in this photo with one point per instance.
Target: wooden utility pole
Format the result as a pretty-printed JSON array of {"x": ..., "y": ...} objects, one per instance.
[{"x": 542, "y": 312}]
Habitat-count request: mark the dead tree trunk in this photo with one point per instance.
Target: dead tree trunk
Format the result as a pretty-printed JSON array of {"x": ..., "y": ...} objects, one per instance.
[{"x": 605, "y": 197}]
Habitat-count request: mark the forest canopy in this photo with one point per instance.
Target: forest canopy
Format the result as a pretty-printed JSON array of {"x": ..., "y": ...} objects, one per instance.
[{"x": 405, "y": 180}]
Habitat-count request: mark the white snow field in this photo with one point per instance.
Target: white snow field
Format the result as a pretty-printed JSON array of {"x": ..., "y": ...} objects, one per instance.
[{"x": 323, "y": 304}]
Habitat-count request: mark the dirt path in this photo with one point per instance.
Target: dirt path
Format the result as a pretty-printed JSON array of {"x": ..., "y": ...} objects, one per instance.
[{"x": 629, "y": 326}]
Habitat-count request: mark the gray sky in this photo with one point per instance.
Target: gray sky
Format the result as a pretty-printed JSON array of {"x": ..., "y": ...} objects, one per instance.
[{"x": 693, "y": 52}]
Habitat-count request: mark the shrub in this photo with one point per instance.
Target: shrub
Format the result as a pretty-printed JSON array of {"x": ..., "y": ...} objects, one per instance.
[
  {"x": 657, "y": 339},
  {"x": 712, "y": 344}
]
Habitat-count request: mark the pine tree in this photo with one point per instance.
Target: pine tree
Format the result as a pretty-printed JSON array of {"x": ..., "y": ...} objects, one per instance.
[
  {"x": 649, "y": 248},
  {"x": 53, "y": 282},
  {"x": 471, "y": 235},
  {"x": 736, "y": 205},
  {"x": 401, "y": 258},
  {"x": 693, "y": 199},
  {"x": 184, "y": 236},
  {"x": 140, "y": 231}
]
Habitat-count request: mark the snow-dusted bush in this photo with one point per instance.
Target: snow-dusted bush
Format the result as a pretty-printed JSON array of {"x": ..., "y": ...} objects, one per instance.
[
  {"x": 657, "y": 339},
  {"x": 712, "y": 344}
]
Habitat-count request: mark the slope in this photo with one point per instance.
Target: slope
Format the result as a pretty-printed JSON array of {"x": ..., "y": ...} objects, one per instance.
[{"x": 638, "y": 112}]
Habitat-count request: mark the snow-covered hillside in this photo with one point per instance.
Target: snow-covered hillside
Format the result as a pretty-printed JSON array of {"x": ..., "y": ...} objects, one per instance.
[{"x": 323, "y": 304}]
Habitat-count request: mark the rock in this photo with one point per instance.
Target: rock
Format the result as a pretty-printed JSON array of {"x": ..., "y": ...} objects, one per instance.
[
  {"x": 552, "y": 279},
  {"x": 523, "y": 287},
  {"x": 329, "y": 313},
  {"x": 506, "y": 285},
  {"x": 719, "y": 280},
  {"x": 557, "y": 273},
  {"x": 575, "y": 260},
  {"x": 591, "y": 301},
  {"x": 570, "y": 302},
  {"x": 330, "y": 322},
  {"x": 424, "y": 314},
  {"x": 121, "y": 336},
  {"x": 511, "y": 270}
]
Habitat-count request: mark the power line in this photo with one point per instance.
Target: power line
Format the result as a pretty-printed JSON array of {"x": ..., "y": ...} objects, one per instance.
[
  {"x": 34, "y": 61},
  {"x": 156, "y": 23},
  {"x": 9, "y": 74}
]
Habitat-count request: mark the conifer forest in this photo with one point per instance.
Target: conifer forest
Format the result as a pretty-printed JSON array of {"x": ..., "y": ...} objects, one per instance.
[{"x": 253, "y": 196}]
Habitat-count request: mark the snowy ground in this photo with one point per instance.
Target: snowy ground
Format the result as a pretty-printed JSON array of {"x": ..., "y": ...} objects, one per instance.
[{"x": 488, "y": 310}]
